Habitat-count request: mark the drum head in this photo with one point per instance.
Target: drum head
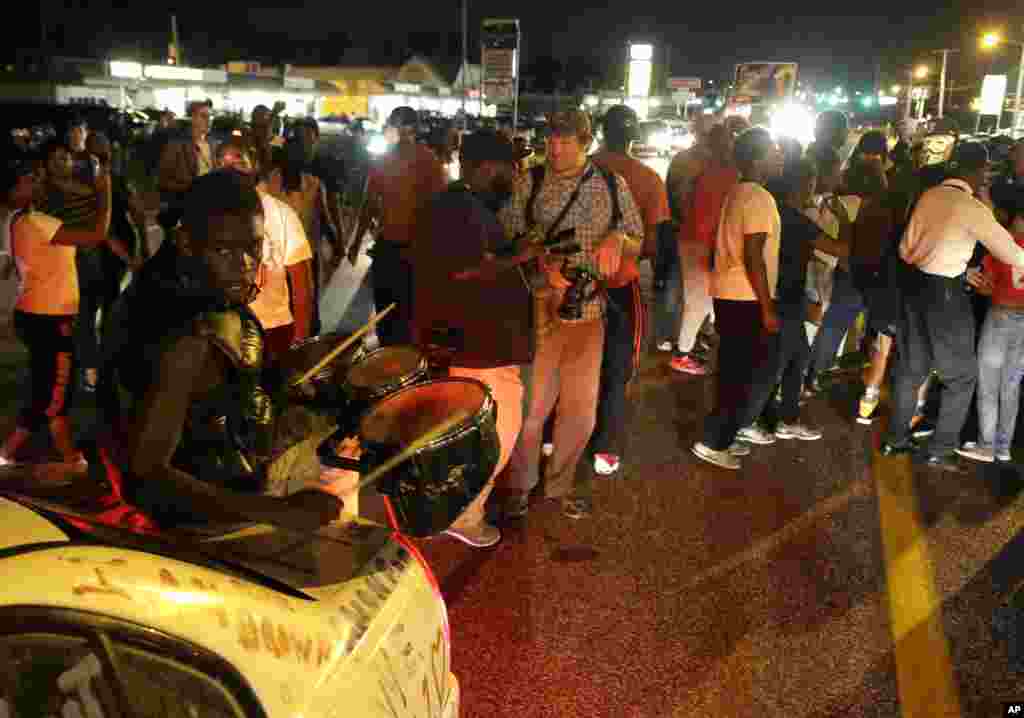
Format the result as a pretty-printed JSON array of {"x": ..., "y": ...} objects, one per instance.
[
  {"x": 383, "y": 366},
  {"x": 407, "y": 415},
  {"x": 301, "y": 357}
]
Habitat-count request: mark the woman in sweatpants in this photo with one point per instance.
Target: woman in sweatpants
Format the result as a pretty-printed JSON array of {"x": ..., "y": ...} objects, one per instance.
[{"x": 47, "y": 305}]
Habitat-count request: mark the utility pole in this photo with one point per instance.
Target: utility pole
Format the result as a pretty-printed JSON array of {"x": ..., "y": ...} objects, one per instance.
[
  {"x": 942, "y": 79},
  {"x": 1020, "y": 86},
  {"x": 465, "y": 52},
  {"x": 910, "y": 92}
]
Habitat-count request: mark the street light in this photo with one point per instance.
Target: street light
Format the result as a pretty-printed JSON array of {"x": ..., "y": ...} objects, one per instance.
[
  {"x": 990, "y": 41},
  {"x": 896, "y": 89},
  {"x": 921, "y": 72}
]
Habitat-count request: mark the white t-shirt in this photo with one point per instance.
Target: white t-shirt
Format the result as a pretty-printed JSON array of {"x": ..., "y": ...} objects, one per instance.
[
  {"x": 47, "y": 278},
  {"x": 284, "y": 245},
  {"x": 748, "y": 209}
]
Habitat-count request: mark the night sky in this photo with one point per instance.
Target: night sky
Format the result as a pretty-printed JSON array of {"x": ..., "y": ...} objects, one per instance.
[{"x": 705, "y": 39}]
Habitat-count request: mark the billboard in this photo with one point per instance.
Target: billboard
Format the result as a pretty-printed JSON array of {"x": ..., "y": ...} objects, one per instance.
[
  {"x": 500, "y": 61},
  {"x": 638, "y": 80},
  {"x": 993, "y": 91},
  {"x": 765, "y": 80}
]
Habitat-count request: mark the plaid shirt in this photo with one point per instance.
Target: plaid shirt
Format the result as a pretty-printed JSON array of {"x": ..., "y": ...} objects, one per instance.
[{"x": 590, "y": 215}]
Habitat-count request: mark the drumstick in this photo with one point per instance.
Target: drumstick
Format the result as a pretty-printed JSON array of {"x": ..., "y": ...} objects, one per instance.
[
  {"x": 333, "y": 353},
  {"x": 412, "y": 448}
]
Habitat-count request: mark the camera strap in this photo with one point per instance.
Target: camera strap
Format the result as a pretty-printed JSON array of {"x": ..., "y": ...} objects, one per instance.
[{"x": 537, "y": 175}]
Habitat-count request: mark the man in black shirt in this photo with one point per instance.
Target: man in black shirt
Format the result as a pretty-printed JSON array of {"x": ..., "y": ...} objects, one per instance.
[{"x": 799, "y": 236}]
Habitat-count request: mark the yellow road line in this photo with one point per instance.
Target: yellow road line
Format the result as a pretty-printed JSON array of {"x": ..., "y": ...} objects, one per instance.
[{"x": 924, "y": 670}]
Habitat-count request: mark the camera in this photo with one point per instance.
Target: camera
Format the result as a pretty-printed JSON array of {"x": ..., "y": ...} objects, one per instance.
[{"x": 571, "y": 309}]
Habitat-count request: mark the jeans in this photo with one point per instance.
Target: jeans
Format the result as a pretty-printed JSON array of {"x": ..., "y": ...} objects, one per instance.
[
  {"x": 99, "y": 282},
  {"x": 938, "y": 334},
  {"x": 792, "y": 355},
  {"x": 747, "y": 366},
  {"x": 391, "y": 276},
  {"x": 668, "y": 290},
  {"x": 1000, "y": 370},
  {"x": 623, "y": 335},
  {"x": 846, "y": 304}
]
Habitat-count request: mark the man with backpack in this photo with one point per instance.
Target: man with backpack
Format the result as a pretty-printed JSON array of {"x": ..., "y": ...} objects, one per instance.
[{"x": 569, "y": 193}]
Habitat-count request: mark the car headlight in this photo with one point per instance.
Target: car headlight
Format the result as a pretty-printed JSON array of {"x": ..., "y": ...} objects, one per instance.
[
  {"x": 793, "y": 121},
  {"x": 378, "y": 145}
]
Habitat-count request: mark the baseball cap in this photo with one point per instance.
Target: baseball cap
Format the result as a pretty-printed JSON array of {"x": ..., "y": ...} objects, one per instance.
[
  {"x": 570, "y": 122},
  {"x": 969, "y": 157},
  {"x": 487, "y": 145},
  {"x": 403, "y": 117}
]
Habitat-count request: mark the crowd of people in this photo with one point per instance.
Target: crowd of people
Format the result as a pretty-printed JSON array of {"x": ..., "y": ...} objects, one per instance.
[{"x": 525, "y": 279}]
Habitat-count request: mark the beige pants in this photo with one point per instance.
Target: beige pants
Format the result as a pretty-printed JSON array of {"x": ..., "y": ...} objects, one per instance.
[
  {"x": 506, "y": 385},
  {"x": 566, "y": 369}
]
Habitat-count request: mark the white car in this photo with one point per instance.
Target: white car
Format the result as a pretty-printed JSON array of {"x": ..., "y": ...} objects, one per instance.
[{"x": 99, "y": 621}]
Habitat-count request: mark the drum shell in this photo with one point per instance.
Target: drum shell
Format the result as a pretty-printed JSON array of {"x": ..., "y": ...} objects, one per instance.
[
  {"x": 328, "y": 383},
  {"x": 430, "y": 490},
  {"x": 363, "y": 397}
]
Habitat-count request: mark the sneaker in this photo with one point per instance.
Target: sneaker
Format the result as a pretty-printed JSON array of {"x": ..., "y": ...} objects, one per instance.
[
  {"x": 606, "y": 464},
  {"x": 977, "y": 453},
  {"x": 577, "y": 508},
  {"x": 483, "y": 535},
  {"x": 1004, "y": 457},
  {"x": 921, "y": 428},
  {"x": 547, "y": 449},
  {"x": 797, "y": 431},
  {"x": 738, "y": 448},
  {"x": 756, "y": 435},
  {"x": 722, "y": 459},
  {"x": 688, "y": 365},
  {"x": 867, "y": 411},
  {"x": 665, "y": 346}
]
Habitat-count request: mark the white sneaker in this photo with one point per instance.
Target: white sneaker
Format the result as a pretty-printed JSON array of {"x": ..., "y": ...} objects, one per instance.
[
  {"x": 977, "y": 453},
  {"x": 797, "y": 431},
  {"x": 665, "y": 346},
  {"x": 547, "y": 449},
  {"x": 722, "y": 459},
  {"x": 756, "y": 435},
  {"x": 606, "y": 464},
  {"x": 738, "y": 448}
]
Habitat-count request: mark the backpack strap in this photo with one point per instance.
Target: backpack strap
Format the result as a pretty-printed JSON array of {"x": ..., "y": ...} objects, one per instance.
[
  {"x": 613, "y": 191},
  {"x": 537, "y": 177}
]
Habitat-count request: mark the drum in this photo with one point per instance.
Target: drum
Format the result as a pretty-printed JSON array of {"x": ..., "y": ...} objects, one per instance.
[
  {"x": 384, "y": 371},
  {"x": 328, "y": 384},
  {"x": 433, "y": 487}
]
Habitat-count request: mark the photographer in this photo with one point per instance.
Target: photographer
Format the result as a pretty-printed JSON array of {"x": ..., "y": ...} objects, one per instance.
[{"x": 570, "y": 193}]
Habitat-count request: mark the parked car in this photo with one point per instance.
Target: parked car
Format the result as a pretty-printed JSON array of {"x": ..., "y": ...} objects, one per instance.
[{"x": 100, "y": 620}]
